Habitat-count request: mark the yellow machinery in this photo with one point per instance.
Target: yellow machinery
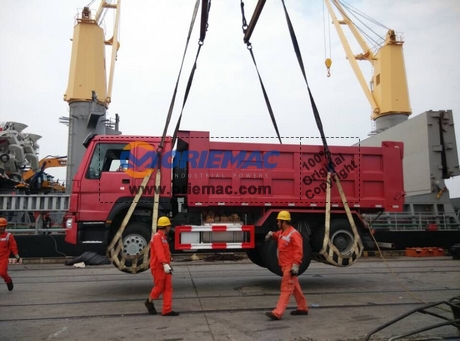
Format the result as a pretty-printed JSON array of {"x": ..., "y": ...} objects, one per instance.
[
  {"x": 40, "y": 182},
  {"x": 47, "y": 162},
  {"x": 87, "y": 65},
  {"x": 388, "y": 92},
  {"x": 89, "y": 91}
]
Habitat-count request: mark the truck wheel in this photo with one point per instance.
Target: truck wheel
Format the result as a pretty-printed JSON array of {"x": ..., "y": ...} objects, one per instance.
[
  {"x": 255, "y": 255},
  {"x": 271, "y": 256},
  {"x": 340, "y": 234},
  {"x": 135, "y": 238}
]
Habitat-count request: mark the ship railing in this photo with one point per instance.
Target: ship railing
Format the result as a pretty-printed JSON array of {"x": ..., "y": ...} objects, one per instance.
[
  {"x": 419, "y": 221},
  {"x": 28, "y": 214},
  {"x": 33, "y": 229}
]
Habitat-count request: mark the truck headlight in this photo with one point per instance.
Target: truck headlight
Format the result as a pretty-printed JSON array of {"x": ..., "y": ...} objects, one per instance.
[{"x": 68, "y": 223}]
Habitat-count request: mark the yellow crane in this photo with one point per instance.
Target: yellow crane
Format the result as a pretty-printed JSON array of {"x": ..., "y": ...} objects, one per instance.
[
  {"x": 388, "y": 92},
  {"x": 87, "y": 65},
  {"x": 89, "y": 91}
]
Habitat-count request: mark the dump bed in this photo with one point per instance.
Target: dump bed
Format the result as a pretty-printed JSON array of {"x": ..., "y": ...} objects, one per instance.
[{"x": 214, "y": 173}]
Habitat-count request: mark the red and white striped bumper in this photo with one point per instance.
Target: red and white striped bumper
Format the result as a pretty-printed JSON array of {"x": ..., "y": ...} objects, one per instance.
[{"x": 211, "y": 237}]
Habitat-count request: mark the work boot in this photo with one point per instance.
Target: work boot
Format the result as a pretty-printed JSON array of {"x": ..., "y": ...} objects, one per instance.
[
  {"x": 150, "y": 307},
  {"x": 171, "y": 313},
  {"x": 271, "y": 315},
  {"x": 10, "y": 286},
  {"x": 299, "y": 312}
]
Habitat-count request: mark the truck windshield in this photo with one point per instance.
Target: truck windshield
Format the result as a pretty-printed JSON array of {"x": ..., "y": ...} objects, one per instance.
[{"x": 106, "y": 158}]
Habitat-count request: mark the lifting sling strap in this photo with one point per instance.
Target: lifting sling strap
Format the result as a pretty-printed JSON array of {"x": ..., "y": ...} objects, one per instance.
[
  {"x": 173, "y": 99},
  {"x": 206, "y": 6},
  {"x": 328, "y": 253},
  {"x": 247, "y": 32},
  {"x": 115, "y": 253},
  {"x": 319, "y": 124}
]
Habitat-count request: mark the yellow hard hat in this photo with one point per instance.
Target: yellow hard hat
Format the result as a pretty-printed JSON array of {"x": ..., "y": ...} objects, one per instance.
[
  {"x": 3, "y": 222},
  {"x": 163, "y": 222},
  {"x": 284, "y": 215}
]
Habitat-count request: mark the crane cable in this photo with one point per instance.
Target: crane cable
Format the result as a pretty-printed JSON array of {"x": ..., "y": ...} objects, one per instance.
[
  {"x": 115, "y": 254},
  {"x": 357, "y": 14},
  {"x": 89, "y": 5},
  {"x": 327, "y": 58},
  {"x": 267, "y": 101},
  {"x": 329, "y": 253}
]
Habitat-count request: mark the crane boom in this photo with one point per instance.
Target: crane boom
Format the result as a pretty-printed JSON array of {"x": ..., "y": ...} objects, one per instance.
[{"x": 388, "y": 92}]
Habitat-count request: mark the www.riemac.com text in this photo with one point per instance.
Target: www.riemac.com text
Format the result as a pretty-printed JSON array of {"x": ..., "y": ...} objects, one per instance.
[{"x": 205, "y": 189}]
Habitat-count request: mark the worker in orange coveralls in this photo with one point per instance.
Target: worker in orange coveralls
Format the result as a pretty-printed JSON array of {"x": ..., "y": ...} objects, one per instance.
[
  {"x": 290, "y": 254},
  {"x": 160, "y": 258},
  {"x": 7, "y": 245}
]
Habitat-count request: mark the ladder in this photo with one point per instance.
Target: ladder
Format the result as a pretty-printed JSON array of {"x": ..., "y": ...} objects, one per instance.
[{"x": 34, "y": 203}]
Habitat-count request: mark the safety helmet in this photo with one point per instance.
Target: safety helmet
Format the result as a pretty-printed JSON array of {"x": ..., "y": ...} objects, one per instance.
[
  {"x": 284, "y": 215},
  {"x": 163, "y": 222},
  {"x": 3, "y": 222}
]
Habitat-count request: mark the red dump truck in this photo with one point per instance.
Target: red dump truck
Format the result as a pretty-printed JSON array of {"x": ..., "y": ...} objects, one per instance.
[{"x": 225, "y": 196}]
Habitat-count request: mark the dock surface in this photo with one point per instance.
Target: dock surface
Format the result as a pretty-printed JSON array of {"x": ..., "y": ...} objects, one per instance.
[{"x": 226, "y": 300}]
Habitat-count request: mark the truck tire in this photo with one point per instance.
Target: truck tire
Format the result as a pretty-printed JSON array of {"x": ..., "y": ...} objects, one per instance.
[
  {"x": 340, "y": 233},
  {"x": 271, "y": 256},
  {"x": 255, "y": 255},
  {"x": 135, "y": 238}
]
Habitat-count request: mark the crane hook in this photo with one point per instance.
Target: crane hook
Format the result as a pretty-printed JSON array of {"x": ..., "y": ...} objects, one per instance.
[{"x": 328, "y": 63}]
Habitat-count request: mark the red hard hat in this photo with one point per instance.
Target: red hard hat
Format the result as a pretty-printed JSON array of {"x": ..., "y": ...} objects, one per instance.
[{"x": 3, "y": 222}]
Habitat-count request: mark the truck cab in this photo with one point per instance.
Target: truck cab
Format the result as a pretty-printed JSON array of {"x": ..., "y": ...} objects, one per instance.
[{"x": 103, "y": 188}]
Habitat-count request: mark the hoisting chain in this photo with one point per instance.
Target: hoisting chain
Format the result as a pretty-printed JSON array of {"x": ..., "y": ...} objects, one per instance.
[
  {"x": 328, "y": 253},
  {"x": 115, "y": 251}
]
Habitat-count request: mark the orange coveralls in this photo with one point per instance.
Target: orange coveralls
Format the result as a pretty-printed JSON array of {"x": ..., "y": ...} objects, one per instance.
[
  {"x": 159, "y": 254},
  {"x": 7, "y": 245},
  {"x": 290, "y": 251}
]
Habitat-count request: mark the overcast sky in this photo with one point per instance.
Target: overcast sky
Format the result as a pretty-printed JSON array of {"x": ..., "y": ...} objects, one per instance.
[{"x": 226, "y": 98}]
